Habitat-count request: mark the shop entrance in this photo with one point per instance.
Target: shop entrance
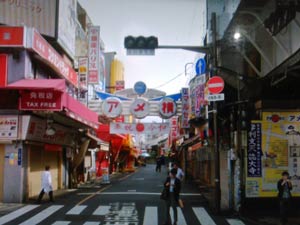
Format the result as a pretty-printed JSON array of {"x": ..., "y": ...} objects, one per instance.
[
  {"x": 38, "y": 159},
  {"x": 1, "y": 171}
]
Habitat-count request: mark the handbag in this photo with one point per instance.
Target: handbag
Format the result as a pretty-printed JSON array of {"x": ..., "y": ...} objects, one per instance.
[
  {"x": 164, "y": 194},
  {"x": 180, "y": 203}
]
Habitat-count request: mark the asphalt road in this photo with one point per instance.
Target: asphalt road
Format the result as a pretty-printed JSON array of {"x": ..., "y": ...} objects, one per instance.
[{"x": 129, "y": 200}]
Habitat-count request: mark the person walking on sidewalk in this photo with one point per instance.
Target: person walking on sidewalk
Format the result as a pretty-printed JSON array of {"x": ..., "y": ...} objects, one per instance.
[
  {"x": 46, "y": 185},
  {"x": 158, "y": 164},
  {"x": 172, "y": 186},
  {"x": 180, "y": 173},
  {"x": 284, "y": 186}
]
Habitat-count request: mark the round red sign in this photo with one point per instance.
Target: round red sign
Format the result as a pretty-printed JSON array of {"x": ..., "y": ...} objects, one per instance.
[{"x": 215, "y": 85}]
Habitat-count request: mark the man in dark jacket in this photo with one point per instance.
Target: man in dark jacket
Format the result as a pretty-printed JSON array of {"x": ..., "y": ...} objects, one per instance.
[
  {"x": 284, "y": 186},
  {"x": 173, "y": 186}
]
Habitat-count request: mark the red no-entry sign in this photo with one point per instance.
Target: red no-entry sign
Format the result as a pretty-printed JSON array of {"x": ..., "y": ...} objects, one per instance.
[{"x": 215, "y": 85}]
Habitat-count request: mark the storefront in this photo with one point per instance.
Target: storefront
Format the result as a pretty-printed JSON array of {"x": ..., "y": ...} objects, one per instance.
[
  {"x": 42, "y": 123},
  {"x": 115, "y": 144}
]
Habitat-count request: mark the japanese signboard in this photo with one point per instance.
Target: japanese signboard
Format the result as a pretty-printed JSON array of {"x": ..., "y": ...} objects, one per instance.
[
  {"x": 280, "y": 141},
  {"x": 185, "y": 108},
  {"x": 112, "y": 107},
  {"x": 139, "y": 128},
  {"x": 174, "y": 128},
  {"x": 197, "y": 95},
  {"x": 41, "y": 100},
  {"x": 140, "y": 108},
  {"x": 216, "y": 97},
  {"x": 36, "y": 132},
  {"x": 254, "y": 151},
  {"x": 120, "y": 85},
  {"x": 167, "y": 108},
  {"x": 8, "y": 127},
  {"x": 47, "y": 52},
  {"x": 82, "y": 72},
  {"x": 12, "y": 36},
  {"x": 94, "y": 54}
]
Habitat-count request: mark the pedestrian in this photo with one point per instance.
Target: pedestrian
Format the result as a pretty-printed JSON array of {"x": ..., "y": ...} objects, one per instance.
[
  {"x": 46, "y": 185},
  {"x": 180, "y": 173},
  {"x": 172, "y": 187},
  {"x": 158, "y": 164},
  {"x": 284, "y": 186}
]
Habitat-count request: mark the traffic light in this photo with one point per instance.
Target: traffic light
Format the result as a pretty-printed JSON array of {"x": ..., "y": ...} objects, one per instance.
[{"x": 140, "y": 42}]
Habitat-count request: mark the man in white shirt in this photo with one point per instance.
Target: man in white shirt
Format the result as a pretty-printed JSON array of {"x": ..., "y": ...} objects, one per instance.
[
  {"x": 46, "y": 185},
  {"x": 180, "y": 173}
]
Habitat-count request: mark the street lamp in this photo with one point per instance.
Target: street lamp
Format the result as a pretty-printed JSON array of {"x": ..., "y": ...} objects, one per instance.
[{"x": 237, "y": 35}]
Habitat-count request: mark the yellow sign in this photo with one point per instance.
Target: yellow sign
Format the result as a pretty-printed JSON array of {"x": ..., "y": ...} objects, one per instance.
[{"x": 280, "y": 152}]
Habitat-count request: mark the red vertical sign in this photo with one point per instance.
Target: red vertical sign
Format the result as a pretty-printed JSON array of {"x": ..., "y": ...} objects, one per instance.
[{"x": 3, "y": 70}]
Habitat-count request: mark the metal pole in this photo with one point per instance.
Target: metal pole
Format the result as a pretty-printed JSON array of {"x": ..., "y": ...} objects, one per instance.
[{"x": 216, "y": 144}]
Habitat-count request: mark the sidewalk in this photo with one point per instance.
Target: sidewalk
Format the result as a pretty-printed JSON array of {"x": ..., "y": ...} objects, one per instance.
[{"x": 9, "y": 207}]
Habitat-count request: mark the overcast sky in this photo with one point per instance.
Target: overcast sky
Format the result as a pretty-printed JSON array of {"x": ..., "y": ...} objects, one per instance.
[{"x": 174, "y": 22}]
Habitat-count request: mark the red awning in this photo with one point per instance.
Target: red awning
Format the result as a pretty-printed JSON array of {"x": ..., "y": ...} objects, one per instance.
[
  {"x": 73, "y": 108},
  {"x": 104, "y": 134},
  {"x": 77, "y": 111},
  {"x": 35, "y": 84}
]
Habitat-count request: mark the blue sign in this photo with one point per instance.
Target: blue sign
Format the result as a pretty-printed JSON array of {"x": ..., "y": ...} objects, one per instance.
[
  {"x": 140, "y": 88},
  {"x": 254, "y": 151},
  {"x": 200, "y": 66},
  {"x": 19, "y": 157}
]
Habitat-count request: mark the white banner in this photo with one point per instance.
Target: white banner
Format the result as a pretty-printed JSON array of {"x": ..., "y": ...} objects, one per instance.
[
  {"x": 8, "y": 127},
  {"x": 94, "y": 54},
  {"x": 139, "y": 128}
]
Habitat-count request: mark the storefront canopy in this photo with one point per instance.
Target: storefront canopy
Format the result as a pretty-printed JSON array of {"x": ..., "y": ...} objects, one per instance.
[
  {"x": 77, "y": 111},
  {"x": 104, "y": 134},
  {"x": 37, "y": 84},
  {"x": 69, "y": 105}
]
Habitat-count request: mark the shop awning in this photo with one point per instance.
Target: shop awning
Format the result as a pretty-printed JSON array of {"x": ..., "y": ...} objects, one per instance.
[
  {"x": 72, "y": 107},
  {"x": 103, "y": 133},
  {"x": 38, "y": 84},
  {"x": 77, "y": 111}
]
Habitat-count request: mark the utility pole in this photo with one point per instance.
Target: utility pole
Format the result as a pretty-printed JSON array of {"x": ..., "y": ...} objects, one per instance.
[{"x": 215, "y": 113}]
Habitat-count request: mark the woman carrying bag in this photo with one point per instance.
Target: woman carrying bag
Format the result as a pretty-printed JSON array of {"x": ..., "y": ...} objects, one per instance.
[{"x": 170, "y": 195}]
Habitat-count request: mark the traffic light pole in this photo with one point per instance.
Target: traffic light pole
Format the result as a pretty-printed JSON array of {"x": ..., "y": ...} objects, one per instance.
[
  {"x": 215, "y": 117},
  {"x": 200, "y": 49}
]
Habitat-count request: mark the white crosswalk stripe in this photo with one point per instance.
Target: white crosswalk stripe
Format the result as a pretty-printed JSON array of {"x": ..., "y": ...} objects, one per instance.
[
  {"x": 17, "y": 213},
  {"x": 76, "y": 210},
  {"x": 61, "y": 223},
  {"x": 203, "y": 216},
  {"x": 150, "y": 215},
  {"x": 181, "y": 219},
  {"x": 91, "y": 223},
  {"x": 102, "y": 211},
  {"x": 42, "y": 215},
  {"x": 235, "y": 222}
]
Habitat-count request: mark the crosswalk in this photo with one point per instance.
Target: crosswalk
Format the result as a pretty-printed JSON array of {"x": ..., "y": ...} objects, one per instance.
[{"x": 119, "y": 214}]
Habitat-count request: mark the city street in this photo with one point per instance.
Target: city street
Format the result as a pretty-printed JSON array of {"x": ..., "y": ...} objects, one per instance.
[{"x": 129, "y": 200}]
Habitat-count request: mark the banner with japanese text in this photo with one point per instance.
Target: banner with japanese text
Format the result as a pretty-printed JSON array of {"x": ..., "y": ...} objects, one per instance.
[
  {"x": 139, "y": 128},
  {"x": 280, "y": 151},
  {"x": 185, "y": 99},
  {"x": 94, "y": 55}
]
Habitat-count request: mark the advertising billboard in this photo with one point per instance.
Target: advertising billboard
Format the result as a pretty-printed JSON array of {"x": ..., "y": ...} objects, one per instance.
[
  {"x": 279, "y": 135},
  {"x": 94, "y": 55},
  {"x": 43, "y": 16},
  {"x": 32, "y": 13},
  {"x": 66, "y": 29}
]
